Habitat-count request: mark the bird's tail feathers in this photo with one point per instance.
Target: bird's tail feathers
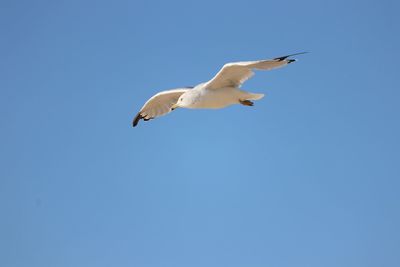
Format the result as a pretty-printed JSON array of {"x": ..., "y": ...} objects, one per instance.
[{"x": 253, "y": 96}]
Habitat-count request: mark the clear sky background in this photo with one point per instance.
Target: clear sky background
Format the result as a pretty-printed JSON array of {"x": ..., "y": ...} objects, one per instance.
[{"x": 309, "y": 176}]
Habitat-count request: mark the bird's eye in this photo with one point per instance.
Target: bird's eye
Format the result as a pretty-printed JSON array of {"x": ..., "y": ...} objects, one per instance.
[{"x": 181, "y": 99}]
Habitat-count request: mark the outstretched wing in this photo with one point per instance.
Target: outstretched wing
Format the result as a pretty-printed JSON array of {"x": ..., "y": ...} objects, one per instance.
[
  {"x": 236, "y": 73},
  {"x": 159, "y": 105}
]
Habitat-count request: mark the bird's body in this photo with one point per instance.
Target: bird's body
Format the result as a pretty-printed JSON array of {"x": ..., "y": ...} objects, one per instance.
[
  {"x": 204, "y": 98},
  {"x": 221, "y": 91}
]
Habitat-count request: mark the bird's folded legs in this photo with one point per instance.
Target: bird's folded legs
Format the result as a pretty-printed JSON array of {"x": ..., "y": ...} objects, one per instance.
[{"x": 246, "y": 103}]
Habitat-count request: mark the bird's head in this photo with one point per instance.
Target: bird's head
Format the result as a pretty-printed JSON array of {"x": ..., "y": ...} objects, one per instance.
[{"x": 186, "y": 100}]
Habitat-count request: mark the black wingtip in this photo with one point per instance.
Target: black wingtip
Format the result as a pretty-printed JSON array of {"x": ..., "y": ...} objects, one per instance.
[
  {"x": 285, "y": 57},
  {"x": 137, "y": 119}
]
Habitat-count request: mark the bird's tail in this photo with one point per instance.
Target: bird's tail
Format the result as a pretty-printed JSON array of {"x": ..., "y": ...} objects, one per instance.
[{"x": 255, "y": 96}]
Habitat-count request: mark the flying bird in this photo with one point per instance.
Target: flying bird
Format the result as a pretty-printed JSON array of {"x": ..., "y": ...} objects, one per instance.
[{"x": 221, "y": 91}]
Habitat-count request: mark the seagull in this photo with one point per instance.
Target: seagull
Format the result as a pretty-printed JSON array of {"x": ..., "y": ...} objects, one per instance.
[{"x": 221, "y": 91}]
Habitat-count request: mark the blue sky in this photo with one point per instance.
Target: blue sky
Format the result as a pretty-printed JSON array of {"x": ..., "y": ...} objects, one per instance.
[{"x": 309, "y": 176}]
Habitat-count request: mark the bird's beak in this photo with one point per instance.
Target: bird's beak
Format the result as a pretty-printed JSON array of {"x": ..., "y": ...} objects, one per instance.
[{"x": 174, "y": 106}]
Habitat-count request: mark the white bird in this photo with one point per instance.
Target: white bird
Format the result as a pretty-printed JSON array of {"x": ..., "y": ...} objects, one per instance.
[{"x": 221, "y": 91}]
